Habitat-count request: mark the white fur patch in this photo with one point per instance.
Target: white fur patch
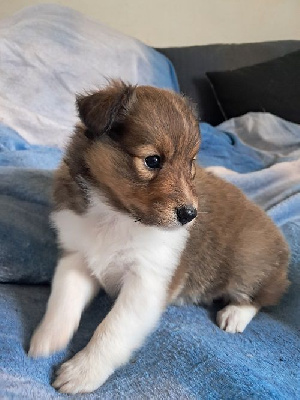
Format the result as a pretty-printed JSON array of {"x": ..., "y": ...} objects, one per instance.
[
  {"x": 72, "y": 288},
  {"x": 113, "y": 244},
  {"x": 235, "y": 318},
  {"x": 129, "y": 260}
]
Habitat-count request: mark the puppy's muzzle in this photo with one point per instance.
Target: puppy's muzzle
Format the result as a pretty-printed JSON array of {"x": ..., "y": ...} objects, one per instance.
[{"x": 186, "y": 214}]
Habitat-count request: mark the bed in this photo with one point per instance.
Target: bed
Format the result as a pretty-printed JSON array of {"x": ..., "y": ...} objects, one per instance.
[{"x": 47, "y": 54}]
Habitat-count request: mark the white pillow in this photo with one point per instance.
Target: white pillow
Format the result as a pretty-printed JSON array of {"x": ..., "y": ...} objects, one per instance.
[{"x": 49, "y": 52}]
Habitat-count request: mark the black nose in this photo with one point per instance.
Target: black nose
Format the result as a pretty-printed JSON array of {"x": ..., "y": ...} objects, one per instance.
[{"x": 185, "y": 214}]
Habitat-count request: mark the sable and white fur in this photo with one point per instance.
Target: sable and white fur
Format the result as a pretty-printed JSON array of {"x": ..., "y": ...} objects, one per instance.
[{"x": 119, "y": 229}]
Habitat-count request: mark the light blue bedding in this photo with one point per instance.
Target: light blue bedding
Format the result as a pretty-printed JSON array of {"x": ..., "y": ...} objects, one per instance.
[{"x": 188, "y": 356}]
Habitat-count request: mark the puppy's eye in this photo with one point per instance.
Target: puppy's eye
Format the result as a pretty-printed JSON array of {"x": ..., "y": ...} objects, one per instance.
[{"x": 153, "y": 162}]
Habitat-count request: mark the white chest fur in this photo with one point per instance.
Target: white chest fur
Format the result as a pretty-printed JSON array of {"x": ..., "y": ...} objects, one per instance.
[{"x": 114, "y": 244}]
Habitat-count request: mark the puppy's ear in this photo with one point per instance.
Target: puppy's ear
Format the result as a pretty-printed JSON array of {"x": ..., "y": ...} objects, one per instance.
[{"x": 106, "y": 109}]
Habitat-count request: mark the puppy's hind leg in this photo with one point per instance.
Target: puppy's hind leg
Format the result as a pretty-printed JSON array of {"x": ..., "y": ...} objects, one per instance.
[
  {"x": 72, "y": 288},
  {"x": 235, "y": 317}
]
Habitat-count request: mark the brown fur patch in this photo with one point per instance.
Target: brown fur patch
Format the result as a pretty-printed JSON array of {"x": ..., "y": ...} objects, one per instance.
[
  {"x": 235, "y": 251},
  {"x": 148, "y": 121}
]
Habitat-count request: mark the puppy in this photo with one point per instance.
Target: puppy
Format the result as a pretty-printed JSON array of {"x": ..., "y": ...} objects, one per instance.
[{"x": 126, "y": 199}]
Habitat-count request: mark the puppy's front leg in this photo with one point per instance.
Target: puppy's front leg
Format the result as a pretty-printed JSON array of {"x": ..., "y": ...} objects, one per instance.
[
  {"x": 134, "y": 314},
  {"x": 72, "y": 289}
]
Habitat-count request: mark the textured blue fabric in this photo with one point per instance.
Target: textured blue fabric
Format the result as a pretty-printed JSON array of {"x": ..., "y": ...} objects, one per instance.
[
  {"x": 188, "y": 356},
  {"x": 28, "y": 251},
  {"x": 17, "y": 152},
  {"x": 220, "y": 148}
]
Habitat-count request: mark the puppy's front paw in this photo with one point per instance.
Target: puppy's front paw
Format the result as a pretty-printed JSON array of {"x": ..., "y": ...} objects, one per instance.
[
  {"x": 48, "y": 339},
  {"x": 235, "y": 318},
  {"x": 82, "y": 374}
]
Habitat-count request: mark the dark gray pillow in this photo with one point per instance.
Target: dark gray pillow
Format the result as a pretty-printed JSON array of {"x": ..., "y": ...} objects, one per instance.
[
  {"x": 273, "y": 87},
  {"x": 192, "y": 63}
]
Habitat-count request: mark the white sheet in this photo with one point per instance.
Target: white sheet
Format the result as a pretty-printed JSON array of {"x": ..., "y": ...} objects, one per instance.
[{"x": 48, "y": 53}]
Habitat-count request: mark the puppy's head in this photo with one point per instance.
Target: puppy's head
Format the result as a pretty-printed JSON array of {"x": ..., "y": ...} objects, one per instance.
[{"x": 139, "y": 145}]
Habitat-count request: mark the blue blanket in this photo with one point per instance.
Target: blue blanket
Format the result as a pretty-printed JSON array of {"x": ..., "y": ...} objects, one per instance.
[{"x": 188, "y": 356}]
